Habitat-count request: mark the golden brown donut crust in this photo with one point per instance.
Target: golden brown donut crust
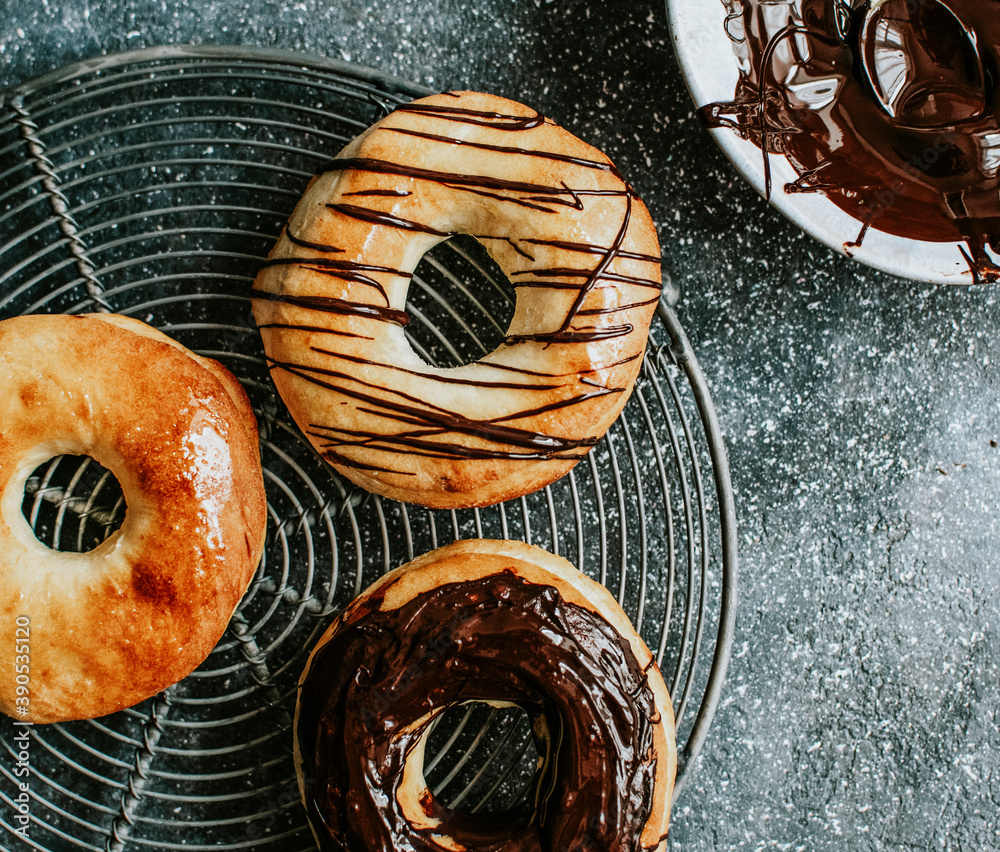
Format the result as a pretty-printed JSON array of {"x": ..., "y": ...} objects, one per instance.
[
  {"x": 477, "y": 558},
  {"x": 113, "y": 626},
  {"x": 559, "y": 220}
]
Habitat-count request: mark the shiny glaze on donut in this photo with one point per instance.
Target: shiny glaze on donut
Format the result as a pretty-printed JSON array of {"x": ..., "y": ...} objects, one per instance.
[
  {"x": 330, "y": 292},
  {"x": 114, "y": 626},
  {"x": 923, "y": 165},
  {"x": 372, "y": 689}
]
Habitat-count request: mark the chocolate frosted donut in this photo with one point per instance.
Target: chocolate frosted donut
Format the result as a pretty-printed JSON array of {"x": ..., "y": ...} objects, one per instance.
[
  {"x": 890, "y": 109},
  {"x": 559, "y": 220},
  {"x": 488, "y": 621}
]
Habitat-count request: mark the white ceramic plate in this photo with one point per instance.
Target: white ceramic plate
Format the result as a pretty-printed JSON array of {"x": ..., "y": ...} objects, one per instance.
[{"x": 709, "y": 67}]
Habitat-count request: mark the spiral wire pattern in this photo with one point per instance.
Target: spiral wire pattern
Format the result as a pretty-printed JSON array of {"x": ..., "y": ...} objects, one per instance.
[{"x": 153, "y": 184}]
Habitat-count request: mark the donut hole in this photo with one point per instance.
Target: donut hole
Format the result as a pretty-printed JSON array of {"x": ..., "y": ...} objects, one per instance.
[
  {"x": 482, "y": 760},
  {"x": 73, "y": 503},
  {"x": 460, "y": 304}
]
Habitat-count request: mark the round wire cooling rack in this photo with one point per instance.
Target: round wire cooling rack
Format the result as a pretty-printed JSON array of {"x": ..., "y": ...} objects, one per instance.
[{"x": 153, "y": 184}]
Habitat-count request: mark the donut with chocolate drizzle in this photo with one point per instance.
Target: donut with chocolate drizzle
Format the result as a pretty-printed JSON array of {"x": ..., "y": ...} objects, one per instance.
[
  {"x": 500, "y": 622},
  {"x": 559, "y": 220},
  {"x": 890, "y": 109}
]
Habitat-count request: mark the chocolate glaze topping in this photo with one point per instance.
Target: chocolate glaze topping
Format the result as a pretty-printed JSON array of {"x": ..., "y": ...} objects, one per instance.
[
  {"x": 890, "y": 110},
  {"x": 365, "y": 703}
]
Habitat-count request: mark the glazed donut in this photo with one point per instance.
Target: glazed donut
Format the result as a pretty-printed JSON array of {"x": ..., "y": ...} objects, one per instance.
[
  {"x": 884, "y": 107},
  {"x": 559, "y": 220},
  {"x": 496, "y": 622},
  {"x": 115, "y": 625}
]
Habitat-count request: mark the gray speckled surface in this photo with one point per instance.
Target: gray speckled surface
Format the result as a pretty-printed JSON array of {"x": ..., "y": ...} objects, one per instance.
[{"x": 862, "y": 710}]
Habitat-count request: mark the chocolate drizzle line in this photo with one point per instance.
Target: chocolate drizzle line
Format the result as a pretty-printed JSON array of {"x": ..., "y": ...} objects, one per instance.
[
  {"x": 331, "y": 305},
  {"x": 435, "y": 420},
  {"x": 505, "y": 149},
  {"x": 502, "y": 441},
  {"x": 596, "y": 274},
  {"x": 569, "y": 272},
  {"x": 492, "y": 120},
  {"x": 388, "y": 167},
  {"x": 414, "y": 425},
  {"x": 384, "y": 193},
  {"x": 383, "y": 672},
  {"x": 344, "y": 269},
  {"x": 443, "y": 378},
  {"x": 313, "y": 329},
  {"x": 590, "y": 249},
  {"x": 376, "y": 217},
  {"x": 523, "y": 371},
  {"x": 917, "y": 157},
  {"x": 576, "y": 335},
  {"x": 310, "y": 245}
]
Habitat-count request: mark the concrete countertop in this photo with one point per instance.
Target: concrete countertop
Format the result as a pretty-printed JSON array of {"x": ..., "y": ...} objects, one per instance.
[{"x": 861, "y": 412}]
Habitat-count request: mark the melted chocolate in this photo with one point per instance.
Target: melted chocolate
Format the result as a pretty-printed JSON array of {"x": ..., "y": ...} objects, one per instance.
[
  {"x": 892, "y": 113},
  {"x": 364, "y": 704}
]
